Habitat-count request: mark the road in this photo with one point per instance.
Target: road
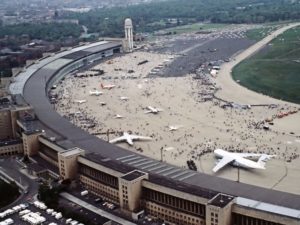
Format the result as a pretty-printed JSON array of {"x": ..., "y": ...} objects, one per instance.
[
  {"x": 12, "y": 168},
  {"x": 232, "y": 91},
  {"x": 95, "y": 209}
]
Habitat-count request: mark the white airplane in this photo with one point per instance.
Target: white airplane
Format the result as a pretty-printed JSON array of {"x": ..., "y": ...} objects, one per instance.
[
  {"x": 124, "y": 98},
  {"x": 153, "y": 110},
  {"x": 174, "y": 127},
  {"x": 119, "y": 116},
  {"x": 80, "y": 101},
  {"x": 168, "y": 149},
  {"x": 108, "y": 86},
  {"x": 130, "y": 138},
  {"x": 96, "y": 93},
  {"x": 240, "y": 159}
]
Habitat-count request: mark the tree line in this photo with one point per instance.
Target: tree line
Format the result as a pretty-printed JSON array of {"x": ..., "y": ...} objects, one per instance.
[
  {"x": 43, "y": 31},
  {"x": 109, "y": 21},
  {"x": 154, "y": 16}
]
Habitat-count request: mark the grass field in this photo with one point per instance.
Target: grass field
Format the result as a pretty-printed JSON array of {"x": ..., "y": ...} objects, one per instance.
[
  {"x": 259, "y": 33},
  {"x": 196, "y": 27},
  {"x": 274, "y": 71}
]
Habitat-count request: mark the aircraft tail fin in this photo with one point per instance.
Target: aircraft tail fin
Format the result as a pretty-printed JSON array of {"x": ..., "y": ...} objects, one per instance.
[{"x": 263, "y": 159}]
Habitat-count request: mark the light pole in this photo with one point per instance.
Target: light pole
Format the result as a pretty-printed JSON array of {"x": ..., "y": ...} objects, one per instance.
[
  {"x": 161, "y": 154},
  {"x": 107, "y": 134},
  {"x": 166, "y": 149}
]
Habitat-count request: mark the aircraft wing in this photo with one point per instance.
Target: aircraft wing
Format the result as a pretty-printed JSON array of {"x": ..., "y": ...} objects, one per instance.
[
  {"x": 223, "y": 162},
  {"x": 136, "y": 137},
  {"x": 245, "y": 155},
  {"x": 118, "y": 140},
  {"x": 151, "y": 108}
]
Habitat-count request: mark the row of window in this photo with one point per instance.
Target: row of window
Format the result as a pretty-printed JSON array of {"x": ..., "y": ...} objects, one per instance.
[
  {"x": 9, "y": 152},
  {"x": 11, "y": 148},
  {"x": 62, "y": 168},
  {"x": 239, "y": 219},
  {"x": 214, "y": 218},
  {"x": 100, "y": 189},
  {"x": 125, "y": 194},
  {"x": 172, "y": 216},
  {"x": 125, "y": 204},
  {"x": 99, "y": 176},
  {"x": 174, "y": 202}
]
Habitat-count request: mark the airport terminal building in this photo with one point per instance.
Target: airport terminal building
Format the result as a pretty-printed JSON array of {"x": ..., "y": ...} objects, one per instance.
[{"x": 138, "y": 184}]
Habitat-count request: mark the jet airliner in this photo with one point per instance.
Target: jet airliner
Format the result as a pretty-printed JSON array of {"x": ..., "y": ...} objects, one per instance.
[
  {"x": 96, "y": 93},
  {"x": 153, "y": 110},
  {"x": 108, "y": 86},
  {"x": 240, "y": 159},
  {"x": 129, "y": 138}
]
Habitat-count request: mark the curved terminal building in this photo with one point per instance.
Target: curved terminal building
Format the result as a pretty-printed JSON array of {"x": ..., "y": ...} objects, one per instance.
[{"x": 139, "y": 185}]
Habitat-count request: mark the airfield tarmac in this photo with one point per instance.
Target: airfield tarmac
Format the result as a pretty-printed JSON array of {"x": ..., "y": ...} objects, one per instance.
[
  {"x": 205, "y": 125},
  {"x": 193, "y": 50}
]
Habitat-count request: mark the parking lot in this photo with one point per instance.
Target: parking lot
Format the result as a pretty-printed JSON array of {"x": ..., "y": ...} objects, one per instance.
[
  {"x": 114, "y": 209},
  {"x": 38, "y": 215}
]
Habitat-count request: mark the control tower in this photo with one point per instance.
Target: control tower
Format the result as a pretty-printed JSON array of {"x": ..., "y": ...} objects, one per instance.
[{"x": 128, "y": 45}]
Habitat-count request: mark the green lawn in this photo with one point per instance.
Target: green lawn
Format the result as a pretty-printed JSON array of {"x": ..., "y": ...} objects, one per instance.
[
  {"x": 259, "y": 33},
  {"x": 275, "y": 71},
  {"x": 157, "y": 23},
  {"x": 196, "y": 27}
]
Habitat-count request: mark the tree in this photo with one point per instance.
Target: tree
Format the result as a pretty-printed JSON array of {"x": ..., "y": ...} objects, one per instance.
[{"x": 48, "y": 195}]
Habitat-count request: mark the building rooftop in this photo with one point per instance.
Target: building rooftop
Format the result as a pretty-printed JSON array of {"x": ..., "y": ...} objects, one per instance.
[
  {"x": 108, "y": 162},
  {"x": 12, "y": 102},
  {"x": 268, "y": 207},
  {"x": 19, "y": 82},
  {"x": 10, "y": 142},
  {"x": 30, "y": 132},
  {"x": 133, "y": 175},
  {"x": 76, "y": 55},
  {"x": 221, "y": 200},
  {"x": 19, "y": 100},
  {"x": 73, "y": 151},
  {"x": 181, "y": 186},
  {"x": 66, "y": 144},
  {"x": 88, "y": 51},
  {"x": 4, "y": 101}
]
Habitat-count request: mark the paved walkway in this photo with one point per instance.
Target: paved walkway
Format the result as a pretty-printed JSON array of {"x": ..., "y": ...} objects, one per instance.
[
  {"x": 95, "y": 209},
  {"x": 232, "y": 91}
]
